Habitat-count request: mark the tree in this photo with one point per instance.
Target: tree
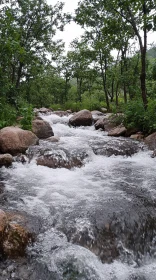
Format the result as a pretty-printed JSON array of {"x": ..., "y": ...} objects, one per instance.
[
  {"x": 136, "y": 16},
  {"x": 27, "y": 29}
]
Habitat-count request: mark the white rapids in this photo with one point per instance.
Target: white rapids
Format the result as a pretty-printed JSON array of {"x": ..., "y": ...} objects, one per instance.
[{"x": 71, "y": 199}]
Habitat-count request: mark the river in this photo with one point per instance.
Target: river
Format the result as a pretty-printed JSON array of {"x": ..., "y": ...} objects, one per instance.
[{"x": 97, "y": 221}]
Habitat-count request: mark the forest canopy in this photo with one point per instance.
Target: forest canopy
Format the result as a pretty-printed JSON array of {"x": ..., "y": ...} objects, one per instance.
[{"x": 36, "y": 71}]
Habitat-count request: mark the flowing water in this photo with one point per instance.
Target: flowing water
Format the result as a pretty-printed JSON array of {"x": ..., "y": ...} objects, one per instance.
[{"x": 98, "y": 221}]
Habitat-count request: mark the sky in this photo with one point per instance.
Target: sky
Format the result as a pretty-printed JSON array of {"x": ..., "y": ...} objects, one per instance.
[{"x": 73, "y": 30}]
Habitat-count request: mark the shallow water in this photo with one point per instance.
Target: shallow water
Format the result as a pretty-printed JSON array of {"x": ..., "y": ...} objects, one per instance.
[{"x": 98, "y": 221}]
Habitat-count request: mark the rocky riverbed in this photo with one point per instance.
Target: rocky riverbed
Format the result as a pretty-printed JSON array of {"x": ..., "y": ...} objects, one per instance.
[{"x": 88, "y": 200}]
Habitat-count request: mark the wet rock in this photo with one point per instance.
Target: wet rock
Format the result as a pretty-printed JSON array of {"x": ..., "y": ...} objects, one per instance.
[
  {"x": 3, "y": 223},
  {"x": 53, "y": 139},
  {"x": 117, "y": 131},
  {"x": 100, "y": 124},
  {"x": 15, "y": 240},
  {"x": 61, "y": 113},
  {"x": 21, "y": 158},
  {"x": 61, "y": 159},
  {"x": 45, "y": 111},
  {"x": 83, "y": 117},
  {"x": 6, "y": 160},
  {"x": 137, "y": 136},
  {"x": 42, "y": 129},
  {"x": 123, "y": 147},
  {"x": 15, "y": 140},
  {"x": 150, "y": 141}
]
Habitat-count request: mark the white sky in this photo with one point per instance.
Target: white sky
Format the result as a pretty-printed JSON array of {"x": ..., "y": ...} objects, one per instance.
[{"x": 73, "y": 30}]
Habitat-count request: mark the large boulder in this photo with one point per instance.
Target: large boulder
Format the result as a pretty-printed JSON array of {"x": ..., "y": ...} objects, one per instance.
[
  {"x": 150, "y": 141},
  {"x": 15, "y": 140},
  {"x": 6, "y": 160},
  {"x": 83, "y": 117},
  {"x": 42, "y": 129},
  {"x": 117, "y": 131}
]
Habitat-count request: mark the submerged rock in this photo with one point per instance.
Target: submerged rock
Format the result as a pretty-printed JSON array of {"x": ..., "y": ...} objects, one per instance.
[
  {"x": 61, "y": 159},
  {"x": 83, "y": 117},
  {"x": 119, "y": 146},
  {"x": 15, "y": 140},
  {"x": 53, "y": 139},
  {"x": 42, "y": 129}
]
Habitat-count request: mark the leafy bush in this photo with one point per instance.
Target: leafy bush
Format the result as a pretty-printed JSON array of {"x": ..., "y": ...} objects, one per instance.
[
  {"x": 137, "y": 117},
  {"x": 27, "y": 113},
  {"x": 7, "y": 114}
]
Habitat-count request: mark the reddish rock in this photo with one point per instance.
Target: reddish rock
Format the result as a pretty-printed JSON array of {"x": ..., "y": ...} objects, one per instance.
[
  {"x": 81, "y": 118},
  {"x": 117, "y": 131},
  {"x": 15, "y": 140},
  {"x": 42, "y": 129},
  {"x": 15, "y": 240}
]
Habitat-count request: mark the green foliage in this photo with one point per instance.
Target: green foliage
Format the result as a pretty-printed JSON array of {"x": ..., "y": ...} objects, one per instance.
[
  {"x": 7, "y": 114},
  {"x": 26, "y": 112},
  {"x": 137, "y": 117}
]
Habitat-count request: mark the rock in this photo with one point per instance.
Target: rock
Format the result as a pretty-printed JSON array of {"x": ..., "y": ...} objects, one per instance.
[
  {"x": 108, "y": 121},
  {"x": 42, "y": 129},
  {"x": 44, "y": 111},
  {"x": 97, "y": 113},
  {"x": 61, "y": 113},
  {"x": 61, "y": 159},
  {"x": 53, "y": 139},
  {"x": 150, "y": 141},
  {"x": 3, "y": 223},
  {"x": 116, "y": 147},
  {"x": 131, "y": 131},
  {"x": 6, "y": 160},
  {"x": 83, "y": 117},
  {"x": 69, "y": 111},
  {"x": 117, "y": 131},
  {"x": 103, "y": 110},
  {"x": 15, "y": 240},
  {"x": 153, "y": 154},
  {"x": 100, "y": 124},
  {"x": 15, "y": 140},
  {"x": 137, "y": 136},
  {"x": 21, "y": 158}
]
